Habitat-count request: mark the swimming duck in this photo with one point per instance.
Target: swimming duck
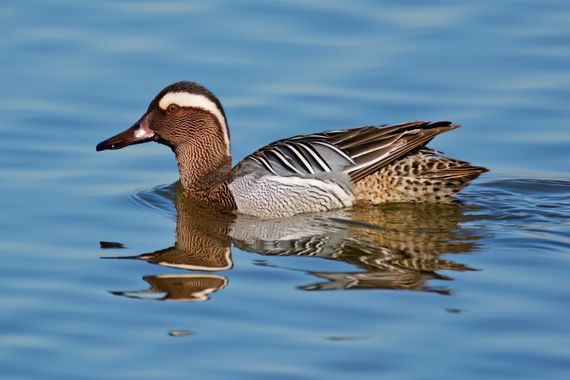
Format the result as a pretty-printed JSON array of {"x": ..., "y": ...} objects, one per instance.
[{"x": 308, "y": 173}]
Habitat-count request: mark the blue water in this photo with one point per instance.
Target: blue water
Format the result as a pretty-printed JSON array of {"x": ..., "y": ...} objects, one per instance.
[{"x": 472, "y": 290}]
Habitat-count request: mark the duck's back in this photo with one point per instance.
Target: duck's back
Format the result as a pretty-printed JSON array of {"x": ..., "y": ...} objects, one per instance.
[{"x": 335, "y": 169}]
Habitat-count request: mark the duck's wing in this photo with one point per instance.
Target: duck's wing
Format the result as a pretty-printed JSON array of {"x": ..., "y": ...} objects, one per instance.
[{"x": 357, "y": 152}]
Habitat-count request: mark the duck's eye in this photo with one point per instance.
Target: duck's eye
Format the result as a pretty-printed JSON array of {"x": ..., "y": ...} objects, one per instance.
[{"x": 172, "y": 107}]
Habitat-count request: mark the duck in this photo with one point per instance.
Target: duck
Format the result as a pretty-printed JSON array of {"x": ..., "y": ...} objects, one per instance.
[{"x": 367, "y": 165}]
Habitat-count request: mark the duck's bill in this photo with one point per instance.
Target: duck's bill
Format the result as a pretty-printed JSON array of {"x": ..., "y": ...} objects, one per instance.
[{"x": 137, "y": 134}]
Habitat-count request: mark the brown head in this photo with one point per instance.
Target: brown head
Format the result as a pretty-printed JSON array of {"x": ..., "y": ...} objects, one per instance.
[{"x": 188, "y": 118}]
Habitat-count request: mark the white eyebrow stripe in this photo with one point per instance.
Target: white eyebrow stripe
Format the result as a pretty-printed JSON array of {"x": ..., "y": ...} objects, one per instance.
[{"x": 186, "y": 99}]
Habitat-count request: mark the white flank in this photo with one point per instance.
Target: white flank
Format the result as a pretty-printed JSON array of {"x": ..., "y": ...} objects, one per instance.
[
  {"x": 340, "y": 194},
  {"x": 273, "y": 196},
  {"x": 186, "y": 99}
]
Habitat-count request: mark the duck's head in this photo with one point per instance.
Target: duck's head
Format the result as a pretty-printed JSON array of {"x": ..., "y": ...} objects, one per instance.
[{"x": 184, "y": 114}]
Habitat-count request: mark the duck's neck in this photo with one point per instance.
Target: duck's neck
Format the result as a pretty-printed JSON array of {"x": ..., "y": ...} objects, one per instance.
[{"x": 203, "y": 174}]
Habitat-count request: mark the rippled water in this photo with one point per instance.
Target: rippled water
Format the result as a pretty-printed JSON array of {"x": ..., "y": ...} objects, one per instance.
[{"x": 91, "y": 243}]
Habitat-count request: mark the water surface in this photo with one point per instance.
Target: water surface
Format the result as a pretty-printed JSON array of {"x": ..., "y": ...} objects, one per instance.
[{"x": 468, "y": 290}]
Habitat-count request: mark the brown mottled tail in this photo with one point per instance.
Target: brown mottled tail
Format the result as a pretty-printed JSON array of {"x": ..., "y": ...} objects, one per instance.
[{"x": 418, "y": 177}]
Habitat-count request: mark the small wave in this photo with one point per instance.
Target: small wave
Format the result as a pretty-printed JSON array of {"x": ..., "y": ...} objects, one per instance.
[
  {"x": 502, "y": 199},
  {"x": 521, "y": 201},
  {"x": 157, "y": 200},
  {"x": 533, "y": 186}
]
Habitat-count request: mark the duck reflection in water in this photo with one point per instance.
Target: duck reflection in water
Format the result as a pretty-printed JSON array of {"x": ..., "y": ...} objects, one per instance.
[{"x": 393, "y": 246}]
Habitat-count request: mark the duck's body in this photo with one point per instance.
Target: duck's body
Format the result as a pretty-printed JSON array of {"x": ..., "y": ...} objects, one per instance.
[{"x": 309, "y": 173}]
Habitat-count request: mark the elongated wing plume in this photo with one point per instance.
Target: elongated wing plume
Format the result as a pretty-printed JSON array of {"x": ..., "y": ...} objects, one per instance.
[{"x": 357, "y": 152}]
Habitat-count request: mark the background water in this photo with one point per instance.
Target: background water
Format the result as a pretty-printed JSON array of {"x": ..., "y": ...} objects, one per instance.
[{"x": 473, "y": 290}]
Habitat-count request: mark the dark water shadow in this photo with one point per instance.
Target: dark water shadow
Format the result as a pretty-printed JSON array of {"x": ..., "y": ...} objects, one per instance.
[{"x": 397, "y": 246}]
